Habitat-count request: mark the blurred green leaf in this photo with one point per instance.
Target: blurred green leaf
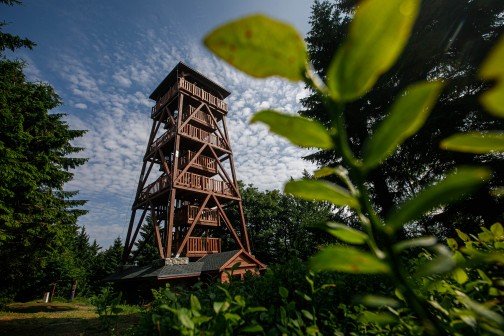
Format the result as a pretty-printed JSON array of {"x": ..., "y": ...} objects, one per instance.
[
  {"x": 415, "y": 242},
  {"x": 378, "y": 33},
  {"x": 260, "y": 47},
  {"x": 460, "y": 276},
  {"x": 407, "y": 116},
  {"x": 256, "y": 328},
  {"x": 324, "y": 171},
  {"x": 300, "y": 131},
  {"x": 497, "y": 230},
  {"x": 462, "y": 235},
  {"x": 475, "y": 142},
  {"x": 452, "y": 243},
  {"x": 284, "y": 292},
  {"x": 345, "y": 233},
  {"x": 378, "y": 301},
  {"x": 378, "y": 318},
  {"x": 183, "y": 315},
  {"x": 347, "y": 260},
  {"x": 195, "y": 304},
  {"x": 321, "y": 191},
  {"x": 453, "y": 187},
  {"x": 439, "y": 265},
  {"x": 493, "y": 69}
]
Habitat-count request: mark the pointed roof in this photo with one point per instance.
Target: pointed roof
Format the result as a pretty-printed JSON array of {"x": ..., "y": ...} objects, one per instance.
[{"x": 180, "y": 69}]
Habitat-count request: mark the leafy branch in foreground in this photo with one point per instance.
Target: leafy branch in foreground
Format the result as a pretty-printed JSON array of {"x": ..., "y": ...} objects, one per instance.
[{"x": 377, "y": 35}]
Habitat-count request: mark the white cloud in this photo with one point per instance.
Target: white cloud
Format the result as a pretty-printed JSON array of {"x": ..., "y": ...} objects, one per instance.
[{"x": 115, "y": 96}]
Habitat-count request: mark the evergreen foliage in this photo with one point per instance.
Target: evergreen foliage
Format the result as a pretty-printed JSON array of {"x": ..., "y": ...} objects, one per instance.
[
  {"x": 449, "y": 41},
  {"x": 37, "y": 216}
]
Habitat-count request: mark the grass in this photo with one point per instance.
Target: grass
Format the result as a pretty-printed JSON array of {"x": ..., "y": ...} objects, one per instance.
[{"x": 59, "y": 319}]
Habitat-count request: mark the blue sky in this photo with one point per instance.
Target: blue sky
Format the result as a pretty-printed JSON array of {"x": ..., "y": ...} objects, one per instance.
[{"x": 104, "y": 58}]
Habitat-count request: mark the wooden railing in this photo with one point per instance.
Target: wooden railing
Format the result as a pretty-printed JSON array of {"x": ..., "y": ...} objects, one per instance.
[
  {"x": 202, "y": 162},
  {"x": 160, "y": 184},
  {"x": 202, "y": 135},
  {"x": 204, "y": 183},
  {"x": 208, "y": 216},
  {"x": 165, "y": 137},
  {"x": 200, "y": 246},
  {"x": 205, "y": 96},
  {"x": 164, "y": 99},
  {"x": 199, "y": 116}
]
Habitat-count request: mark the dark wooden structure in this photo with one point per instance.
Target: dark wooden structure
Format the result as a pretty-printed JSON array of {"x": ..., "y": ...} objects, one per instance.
[{"x": 188, "y": 176}]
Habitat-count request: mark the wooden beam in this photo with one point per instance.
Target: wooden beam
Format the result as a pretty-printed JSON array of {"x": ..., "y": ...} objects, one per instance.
[
  {"x": 171, "y": 214},
  {"x": 190, "y": 116},
  {"x": 156, "y": 230},
  {"x": 244, "y": 226},
  {"x": 132, "y": 242},
  {"x": 163, "y": 161},
  {"x": 226, "y": 140},
  {"x": 224, "y": 171},
  {"x": 190, "y": 163},
  {"x": 228, "y": 223},
  {"x": 193, "y": 224}
]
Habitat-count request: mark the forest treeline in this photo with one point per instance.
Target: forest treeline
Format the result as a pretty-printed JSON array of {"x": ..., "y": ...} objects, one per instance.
[{"x": 400, "y": 224}]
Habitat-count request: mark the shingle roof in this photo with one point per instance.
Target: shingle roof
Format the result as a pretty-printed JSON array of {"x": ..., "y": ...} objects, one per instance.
[{"x": 211, "y": 262}]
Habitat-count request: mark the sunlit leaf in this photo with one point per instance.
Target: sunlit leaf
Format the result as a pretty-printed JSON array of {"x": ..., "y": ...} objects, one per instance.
[
  {"x": 345, "y": 233},
  {"x": 324, "y": 171},
  {"x": 378, "y": 33},
  {"x": 347, "y": 260},
  {"x": 321, "y": 191},
  {"x": 260, "y": 47},
  {"x": 475, "y": 142},
  {"x": 453, "y": 187},
  {"x": 298, "y": 130},
  {"x": 460, "y": 276},
  {"x": 462, "y": 235},
  {"x": 195, "y": 304},
  {"x": 493, "y": 69},
  {"x": 407, "y": 116},
  {"x": 452, "y": 243},
  {"x": 497, "y": 230}
]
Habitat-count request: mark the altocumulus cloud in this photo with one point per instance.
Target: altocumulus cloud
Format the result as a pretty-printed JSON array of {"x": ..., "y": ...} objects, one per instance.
[{"x": 112, "y": 104}]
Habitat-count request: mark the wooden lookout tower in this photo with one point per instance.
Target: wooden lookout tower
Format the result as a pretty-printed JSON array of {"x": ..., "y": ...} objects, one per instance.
[{"x": 188, "y": 181}]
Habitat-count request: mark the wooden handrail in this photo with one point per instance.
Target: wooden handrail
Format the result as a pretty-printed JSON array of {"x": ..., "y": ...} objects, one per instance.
[
  {"x": 165, "y": 137},
  {"x": 202, "y": 94},
  {"x": 160, "y": 184},
  {"x": 202, "y": 162},
  {"x": 204, "y": 183},
  {"x": 202, "y": 135},
  {"x": 164, "y": 99},
  {"x": 199, "y": 115},
  {"x": 203, "y": 245}
]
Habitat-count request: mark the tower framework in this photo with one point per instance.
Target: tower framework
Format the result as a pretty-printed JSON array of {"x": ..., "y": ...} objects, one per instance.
[{"x": 188, "y": 178}]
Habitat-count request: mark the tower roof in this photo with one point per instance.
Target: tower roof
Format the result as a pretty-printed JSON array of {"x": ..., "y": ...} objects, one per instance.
[{"x": 183, "y": 70}]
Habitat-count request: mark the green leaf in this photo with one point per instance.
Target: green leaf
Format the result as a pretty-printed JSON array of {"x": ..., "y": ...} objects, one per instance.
[
  {"x": 183, "y": 315},
  {"x": 439, "y": 265},
  {"x": 452, "y": 243},
  {"x": 475, "y": 142},
  {"x": 378, "y": 318},
  {"x": 195, "y": 304},
  {"x": 415, "y": 242},
  {"x": 378, "y": 33},
  {"x": 462, "y": 235},
  {"x": 407, "y": 116},
  {"x": 321, "y": 191},
  {"x": 300, "y": 131},
  {"x": 493, "y": 69},
  {"x": 256, "y": 328},
  {"x": 345, "y": 233},
  {"x": 260, "y": 47},
  {"x": 347, "y": 260},
  {"x": 453, "y": 187},
  {"x": 497, "y": 230},
  {"x": 460, "y": 276},
  {"x": 378, "y": 301},
  {"x": 324, "y": 171},
  {"x": 307, "y": 314},
  {"x": 284, "y": 292}
]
